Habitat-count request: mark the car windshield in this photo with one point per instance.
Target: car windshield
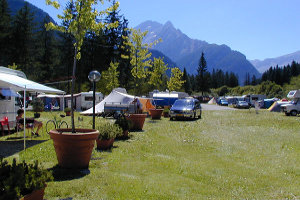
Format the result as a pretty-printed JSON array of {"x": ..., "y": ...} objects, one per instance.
[{"x": 181, "y": 103}]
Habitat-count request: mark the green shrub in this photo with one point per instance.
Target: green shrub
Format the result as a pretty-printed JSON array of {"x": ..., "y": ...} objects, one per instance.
[
  {"x": 67, "y": 109},
  {"x": 19, "y": 179},
  {"x": 166, "y": 110},
  {"x": 123, "y": 123},
  {"x": 108, "y": 131}
]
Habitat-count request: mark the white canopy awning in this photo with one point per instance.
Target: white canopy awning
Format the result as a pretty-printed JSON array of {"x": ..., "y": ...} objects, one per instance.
[{"x": 18, "y": 84}]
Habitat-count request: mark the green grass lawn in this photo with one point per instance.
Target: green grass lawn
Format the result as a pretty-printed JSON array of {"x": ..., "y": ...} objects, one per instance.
[{"x": 225, "y": 155}]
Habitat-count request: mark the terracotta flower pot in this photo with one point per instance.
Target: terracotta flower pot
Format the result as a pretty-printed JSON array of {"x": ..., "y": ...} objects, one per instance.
[
  {"x": 156, "y": 113},
  {"x": 35, "y": 195},
  {"x": 105, "y": 144},
  {"x": 74, "y": 150},
  {"x": 137, "y": 121},
  {"x": 68, "y": 113}
]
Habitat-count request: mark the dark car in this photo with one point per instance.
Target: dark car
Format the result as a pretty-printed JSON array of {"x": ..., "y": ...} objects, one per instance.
[{"x": 183, "y": 108}]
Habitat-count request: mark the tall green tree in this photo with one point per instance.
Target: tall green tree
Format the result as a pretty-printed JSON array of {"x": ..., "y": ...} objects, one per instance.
[
  {"x": 202, "y": 82},
  {"x": 187, "y": 83},
  {"x": 175, "y": 83},
  {"x": 5, "y": 31},
  {"x": 82, "y": 20},
  {"x": 157, "y": 73},
  {"x": 47, "y": 54},
  {"x": 109, "y": 78},
  {"x": 23, "y": 43},
  {"x": 139, "y": 56}
]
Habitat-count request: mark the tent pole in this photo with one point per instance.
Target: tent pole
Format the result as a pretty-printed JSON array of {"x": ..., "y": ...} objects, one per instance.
[
  {"x": 63, "y": 104},
  {"x": 24, "y": 117}
]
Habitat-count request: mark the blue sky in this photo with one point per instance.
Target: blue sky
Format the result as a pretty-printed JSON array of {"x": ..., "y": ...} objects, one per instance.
[{"x": 257, "y": 28}]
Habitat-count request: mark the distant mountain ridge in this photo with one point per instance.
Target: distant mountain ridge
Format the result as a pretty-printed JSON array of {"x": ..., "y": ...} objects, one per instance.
[
  {"x": 186, "y": 52},
  {"x": 16, "y": 5},
  {"x": 263, "y": 65}
]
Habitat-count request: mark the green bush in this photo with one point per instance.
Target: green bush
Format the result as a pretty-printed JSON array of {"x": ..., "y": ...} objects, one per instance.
[
  {"x": 19, "y": 179},
  {"x": 108, "y": 131},
  {"x": 123, "y": 123},
  {"x": 67, "y": 109},
  {"x": 166, "y": 110}
]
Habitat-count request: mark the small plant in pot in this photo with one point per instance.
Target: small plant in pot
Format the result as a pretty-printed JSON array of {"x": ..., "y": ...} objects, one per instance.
[
  {"x": 67, "y": 111},
  {"x": 37, "y": 106},
  {"x": 123, "y": 123},
  {"x": 22, "y": 180},
  {"x": 166, "y": 112},
  {"x": 107, "y": 134}
]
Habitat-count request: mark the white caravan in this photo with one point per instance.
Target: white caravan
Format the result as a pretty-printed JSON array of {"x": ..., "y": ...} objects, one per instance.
[{"x": 87, "y": 99}]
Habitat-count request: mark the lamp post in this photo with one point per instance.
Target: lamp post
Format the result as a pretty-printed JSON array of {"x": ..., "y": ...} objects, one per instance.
[{"x": 94, "y": 76}]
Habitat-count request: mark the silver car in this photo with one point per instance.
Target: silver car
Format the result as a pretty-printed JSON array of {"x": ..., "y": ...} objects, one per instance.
[{"x": 183, "y": 108}]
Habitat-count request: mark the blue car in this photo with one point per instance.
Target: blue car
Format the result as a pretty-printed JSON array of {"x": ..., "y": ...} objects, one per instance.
[
  {"x": 186, "y": 108},
  {"x": 223, "y": 102}
]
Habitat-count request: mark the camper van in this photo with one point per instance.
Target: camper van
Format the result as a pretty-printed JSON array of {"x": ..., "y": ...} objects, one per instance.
[
  {"x": 292, "y": 108},
  {"x": 87, "y": 99},
  {"x": 162, "y": 99},
  {"x": 252, "y": 98}
]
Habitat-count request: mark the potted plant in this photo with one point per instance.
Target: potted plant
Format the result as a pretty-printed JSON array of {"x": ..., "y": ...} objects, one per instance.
[
  {"x": 107, "y": 135},
  {"x": 155, "y": 113},
  {"x": 74, "y": 150},
  {"x": 37, "y": 106},
  {"x": 74, "y": 146},
  {"x": 123, "y": 123},
  {"x": 166, "y": 112},
  {"x": 22, "y": 180},
  {"x": 67, "y": 111}
]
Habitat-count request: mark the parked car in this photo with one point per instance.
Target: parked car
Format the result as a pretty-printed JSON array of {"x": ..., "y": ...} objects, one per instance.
[
  {"x": 223, "y": 102},
  {"x": 242, "y": 104},
  {"x": 183, "y": 108}
]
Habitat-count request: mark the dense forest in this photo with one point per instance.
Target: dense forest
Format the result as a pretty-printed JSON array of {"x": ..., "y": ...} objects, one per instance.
[{"x": 47, "y": 56}]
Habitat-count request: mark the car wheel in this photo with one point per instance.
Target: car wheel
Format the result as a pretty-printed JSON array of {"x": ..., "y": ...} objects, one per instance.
[{"x": 293, "y": 112}]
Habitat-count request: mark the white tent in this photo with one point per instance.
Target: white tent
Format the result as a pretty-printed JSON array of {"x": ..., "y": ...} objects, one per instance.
[
  {"x": 17, "y": 81},
  {"x": 212, "y": 101},
  {"x": 114, "y": 97}
]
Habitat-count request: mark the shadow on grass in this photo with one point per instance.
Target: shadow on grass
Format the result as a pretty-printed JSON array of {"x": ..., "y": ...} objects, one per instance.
[
  {"x": 185, "y": 119},
  {"x": 153, "y": 121},
  {"x": 9, "y": 147},
  {"x": 109, "y": 150},
  {"x": 61, "y": 174}
]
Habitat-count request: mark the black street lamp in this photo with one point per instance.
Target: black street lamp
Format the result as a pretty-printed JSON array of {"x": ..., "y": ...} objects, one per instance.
[{"x": 94, "y": 76}]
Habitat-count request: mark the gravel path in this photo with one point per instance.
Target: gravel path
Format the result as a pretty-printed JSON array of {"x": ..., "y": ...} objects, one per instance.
[{"x": 215, "y": 107}]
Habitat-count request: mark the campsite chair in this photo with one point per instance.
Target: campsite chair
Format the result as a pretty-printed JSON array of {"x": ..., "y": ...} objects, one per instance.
[
  {"x": 4, "y": 122},
  {"x": 29, "y": 127}
]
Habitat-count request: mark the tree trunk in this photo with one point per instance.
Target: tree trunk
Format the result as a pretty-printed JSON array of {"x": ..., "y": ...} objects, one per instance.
[{"x": 72, "y": 91}]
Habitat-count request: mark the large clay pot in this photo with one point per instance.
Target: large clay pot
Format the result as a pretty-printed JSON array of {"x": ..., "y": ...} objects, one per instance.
[
  {"x": 137, "y": 121},
  {"x": 156, "y": 113},
  {"x": 35, "y": 195},
  {"x": 74, "y": 150},
  {"x": 105, "y": 144}
]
